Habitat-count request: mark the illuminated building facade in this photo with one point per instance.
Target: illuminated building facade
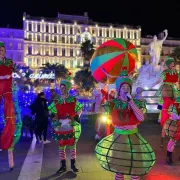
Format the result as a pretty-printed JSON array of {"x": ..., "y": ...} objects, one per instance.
[
  {"x": 58, "y": 40},
  {"x": 14, "y": 42}
]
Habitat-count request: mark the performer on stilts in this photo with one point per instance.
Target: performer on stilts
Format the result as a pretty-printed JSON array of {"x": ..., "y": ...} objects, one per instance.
[
  {"x": 172, "y": 128},
  {"x": 125, "y": 152},
  {"x": 168, "y": 91},
  {"x": 66, "y": 131},
  {"x": 8, "y": 138}
]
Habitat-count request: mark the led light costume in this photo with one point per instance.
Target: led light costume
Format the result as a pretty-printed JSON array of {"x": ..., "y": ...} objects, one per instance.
[
  {"x": 168, "y": 91},
  {"x": 172, "y": 128},
  {"x": 125, "y": 152},
  {"x": 8, "y": 93},
  {"x": 66, "y": 131}
]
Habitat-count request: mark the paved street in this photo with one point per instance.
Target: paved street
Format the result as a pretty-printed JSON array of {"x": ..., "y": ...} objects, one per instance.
[{"x": 36, "y": 161}]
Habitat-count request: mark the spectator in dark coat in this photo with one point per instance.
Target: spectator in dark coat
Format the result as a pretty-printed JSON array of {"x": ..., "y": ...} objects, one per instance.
[{"x": 40, "y": 110}]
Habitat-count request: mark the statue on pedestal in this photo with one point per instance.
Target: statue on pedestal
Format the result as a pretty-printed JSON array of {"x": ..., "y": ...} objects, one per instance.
[
  {"x": 148, "y": 74},
  {"x": 150, "y": 71},
  {"x": 155, "y": 48}
]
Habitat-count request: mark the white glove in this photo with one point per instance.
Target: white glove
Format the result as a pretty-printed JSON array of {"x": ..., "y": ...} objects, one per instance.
[
  {"x": 174, "y": 117},
  {"x": 65, "y": 122},
  {"x": 128, "y": 95}
]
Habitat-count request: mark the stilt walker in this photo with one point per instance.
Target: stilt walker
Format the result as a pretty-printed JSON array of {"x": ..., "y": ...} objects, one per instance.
[
  {"x": 168, "y": 91},
  {"x": 172, "y": 128},
  {"x": 125, "y": 152},
  {"x": 66, "y": 131},
  {"x": 12, "y": 128}
]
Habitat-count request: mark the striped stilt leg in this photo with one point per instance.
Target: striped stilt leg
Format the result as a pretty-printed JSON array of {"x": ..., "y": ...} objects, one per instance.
[
  {"x": 119, "y": 176},
  {"x": 170, "y": 149},
  {"x": 135, "y": 178}
]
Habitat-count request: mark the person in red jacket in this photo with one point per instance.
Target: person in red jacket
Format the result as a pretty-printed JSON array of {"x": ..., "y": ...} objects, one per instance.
[
  {"x": 104, "y": 129},
  {"x": 6, "y": 70}
]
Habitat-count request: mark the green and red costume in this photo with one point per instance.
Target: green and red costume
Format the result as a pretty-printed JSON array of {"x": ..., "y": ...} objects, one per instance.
[
  {"x": 66, "y": 131},
  {"x": 6, "y": 69},
  {"x": 172, "y": 128},
  {"x": 63, "y": 108},
  {"x": 125, "y": 152},
  {"x": 170, "y": 78}
]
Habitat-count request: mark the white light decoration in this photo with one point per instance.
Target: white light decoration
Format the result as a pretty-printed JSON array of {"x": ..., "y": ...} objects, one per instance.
[{"x": 39, "y": 75}]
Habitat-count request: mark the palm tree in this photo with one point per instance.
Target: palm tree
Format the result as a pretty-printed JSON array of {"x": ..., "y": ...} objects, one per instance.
[
  {"x": 59, "y": 69},
  {"x": 176, "y": 54},
  {"x": 84, "y": 79},
  {"x": 87, "y": 49}
]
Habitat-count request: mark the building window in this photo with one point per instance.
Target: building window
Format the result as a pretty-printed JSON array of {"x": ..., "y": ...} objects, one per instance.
[
  {"x": 71, "y": 52},
  {"x": 38, "y": 62},
  {"x": 30, "y": 27},
  {"x": 79, "y": 30},
  {"x": 38, "y": 38},
  {"x": 11, "y": 35},
  {"x": 63, "y": 52},
  {"x": 38, "y": 28},
  {"x": 93, "y": 31},
  {"x": 47, "y": 38},
  {"x": 64, "y": 63},
  {"x": 78, "y": 62},
  {"x": 100, "y": 32},
  {"x": 121, "y": 34},
  {"x": 63, "y": 30},
  {"x": 71, "y": 40},
  {"x": 29, "y": 61},
  {"x": 47, "y": 52},
  {"x": 10, "y": 45},
  {"x": 107, "y": 33},
  {"x": 135, "y": 35},
  {"x": 114, "y": 33},
  {"x": 71, "y": 64},
  {"x": 128, "y": 35},
  {"x": 55, "y": 38},
  {"x": 30, "y": 37},
  {"x": 19, "y": 45},
  {"x": 47, "y": 28},
  {"x": 63, "y": 39},
  {"x": 71, "y": 30},
  {"x": 29, "y": 50},
  {"x": 19, "y": 57},
  {"x": 55, "y": 51},
  {"x": 55, "y": 29}
]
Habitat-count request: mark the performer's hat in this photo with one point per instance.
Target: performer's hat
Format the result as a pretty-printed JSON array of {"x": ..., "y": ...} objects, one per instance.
[
  {"x": 2, "y": 44},
  {"x": 67, "y": 82},
  {"x": 169, "y": 60},
  {"x": 123, "y": 79}
]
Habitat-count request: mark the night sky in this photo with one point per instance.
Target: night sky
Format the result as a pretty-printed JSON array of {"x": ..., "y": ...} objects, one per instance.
[{"x": 152, "y": 16}]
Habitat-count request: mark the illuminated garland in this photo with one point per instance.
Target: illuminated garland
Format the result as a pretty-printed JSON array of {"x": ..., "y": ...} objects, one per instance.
[{"x": 17, "y": 134}]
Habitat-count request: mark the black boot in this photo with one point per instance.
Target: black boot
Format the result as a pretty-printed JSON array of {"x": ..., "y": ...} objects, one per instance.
[
  {"x": 162, "y": 142},
  {"x": 169, "y": 158},
  {"x": 63, "y": 167},
  {"x": 73, "y": 165}
]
